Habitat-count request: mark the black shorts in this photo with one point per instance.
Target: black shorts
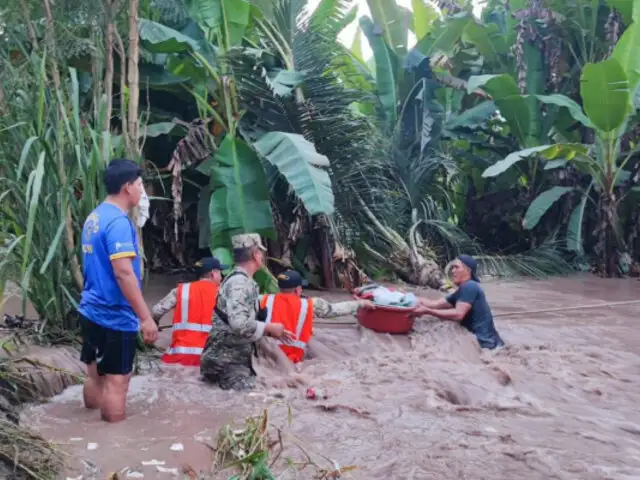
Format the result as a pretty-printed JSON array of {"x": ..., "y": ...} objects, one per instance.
[{"x": 113, "y": 350}]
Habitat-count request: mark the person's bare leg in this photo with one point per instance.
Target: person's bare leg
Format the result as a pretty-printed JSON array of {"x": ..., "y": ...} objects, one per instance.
[
  {"x": 92, "y": 389},
  {"x": 114, "y": 397}
]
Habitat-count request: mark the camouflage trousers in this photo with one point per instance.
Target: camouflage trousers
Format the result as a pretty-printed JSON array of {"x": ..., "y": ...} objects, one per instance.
[
  {"x": 228, "y": 367},
  {"x": 234, "y": 377}
]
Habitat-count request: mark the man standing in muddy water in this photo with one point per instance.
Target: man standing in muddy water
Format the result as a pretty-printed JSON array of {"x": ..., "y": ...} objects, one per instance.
[
  {"x": 238, "y": 321},
  {"x": 467, "y": 305},
  {"x": 112, "y": 308}
]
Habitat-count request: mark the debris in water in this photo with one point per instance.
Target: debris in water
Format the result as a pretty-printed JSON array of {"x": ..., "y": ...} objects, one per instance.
[
  {"x": 153, "y": 463},
  {"x": 334, "y": 408},
  {"x": 76, "y": 439},
  {"x": 177, "y": 447},
  {"x": 92, "y": 446},
  {"x": 315, "y": 393},
  {"x": 134, "y": 474},
  {"x": 172, "y": 471},
  {"x": 79, "y": 477},
  {"x": 189, "y": 472},
  {"x": 90, "y": 468}
]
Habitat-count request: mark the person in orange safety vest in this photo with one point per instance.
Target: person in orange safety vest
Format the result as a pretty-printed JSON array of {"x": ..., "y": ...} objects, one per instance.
[
  {"x": 297, "y": 312},
  {"x": 193, "y": 305}
]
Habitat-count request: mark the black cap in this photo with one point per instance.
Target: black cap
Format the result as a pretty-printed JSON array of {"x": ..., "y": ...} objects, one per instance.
[
  {"x": 470, "y": 262},
  {"x": 291, "y": 279},
  {"x": 209, "y": 264},
  {"x": 120, "y": 172}
]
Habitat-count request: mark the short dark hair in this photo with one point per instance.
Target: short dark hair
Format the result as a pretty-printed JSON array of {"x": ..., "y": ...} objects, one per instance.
[
  {"x": 120, "y": 172},
  {"x": 242, "y": 255}
]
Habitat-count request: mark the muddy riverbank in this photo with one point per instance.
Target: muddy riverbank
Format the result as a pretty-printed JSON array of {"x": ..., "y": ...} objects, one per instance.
[{"x": 559, "y": 402}]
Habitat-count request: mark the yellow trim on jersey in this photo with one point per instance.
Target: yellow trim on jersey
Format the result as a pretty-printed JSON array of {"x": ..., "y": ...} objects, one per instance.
[{"x": 116, "y": 256}]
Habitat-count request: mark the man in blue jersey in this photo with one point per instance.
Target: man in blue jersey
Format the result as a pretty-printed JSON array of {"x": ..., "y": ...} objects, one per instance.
[
  {"x": 112, "y": 309},
  {"x": 467, "y": 305}
]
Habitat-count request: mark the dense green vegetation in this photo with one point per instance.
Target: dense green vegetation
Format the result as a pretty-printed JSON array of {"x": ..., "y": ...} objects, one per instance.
[{"x": 512, "y": 136}]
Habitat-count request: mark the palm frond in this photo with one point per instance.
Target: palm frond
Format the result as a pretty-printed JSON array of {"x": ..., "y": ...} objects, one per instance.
[
  {"x": 320, "y": 110},
  {"x": 332, "y": 16},
  {"x": 549, "y": 259}
]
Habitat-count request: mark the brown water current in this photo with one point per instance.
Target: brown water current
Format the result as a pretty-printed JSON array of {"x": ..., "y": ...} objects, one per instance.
[{"x": 560, "y": 402}]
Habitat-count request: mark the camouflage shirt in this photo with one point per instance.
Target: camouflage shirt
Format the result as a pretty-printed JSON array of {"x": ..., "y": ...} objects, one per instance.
[
  {"x": 238, "y": 299},
  {"x": 165, "y": 305}
]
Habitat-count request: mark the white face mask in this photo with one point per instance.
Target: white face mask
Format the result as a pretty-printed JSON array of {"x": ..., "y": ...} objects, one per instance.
[{"x": 143, "y": 209}]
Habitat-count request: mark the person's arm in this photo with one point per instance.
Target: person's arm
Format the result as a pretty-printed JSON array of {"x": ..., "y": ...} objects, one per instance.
[
  {"x": 439, "y": 304},
  {"x": 462, "y": 301},
  {"x": 163, "y": 306},
  {"x": 325, "y": 309},
  {"x": 128, "y": 283},
  {"x": 240, "y": 310},
  {"x": 121, "y": 248}
]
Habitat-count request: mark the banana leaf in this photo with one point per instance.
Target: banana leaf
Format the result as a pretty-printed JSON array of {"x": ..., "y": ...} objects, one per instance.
[
  {"x": 240, "y": 198},
  {"x": 297, "y": 160}
]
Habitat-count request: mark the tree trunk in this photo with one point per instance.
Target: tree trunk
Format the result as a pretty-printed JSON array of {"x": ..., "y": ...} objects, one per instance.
[
  {"x": 123, "y": 89},
  {"x": 111, "y": 7},
  {"x": 326, "y": 254},
  {"x": 607, "y": 246},
  {"x": 69, "y": 237},
  {"x": 133, "y": 80},
  {"x": 133, "y": 77}
]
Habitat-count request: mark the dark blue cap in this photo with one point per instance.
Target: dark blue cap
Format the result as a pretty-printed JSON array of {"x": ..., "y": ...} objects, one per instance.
[
  {"x": 209, "y": 264},
  {"x": 291, "y": 279},
  {"x": 120, "y": 172},
  {"x": 472, "y": 264}
]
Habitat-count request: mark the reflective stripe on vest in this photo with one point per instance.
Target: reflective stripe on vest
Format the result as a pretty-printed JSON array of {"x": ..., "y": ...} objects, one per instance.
[
  {"x": 184, "y": 315},
  {"x": 270, "y": 299},
  {"x": 191, "y": 323},
  {"x": 304, "y": 308},
  {"x": 184, "y": 350},
  {"x": 192, "y": 327},
  {"x": 294, "y": 343}
]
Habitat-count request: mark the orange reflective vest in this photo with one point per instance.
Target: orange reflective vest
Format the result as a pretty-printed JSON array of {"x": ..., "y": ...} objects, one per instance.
[
  {"x": 192, "y": 318},
  {"x": 296, "y": 314}
]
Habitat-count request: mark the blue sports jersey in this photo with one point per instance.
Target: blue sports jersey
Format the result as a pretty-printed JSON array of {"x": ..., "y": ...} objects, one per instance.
[{"x": 108, "y": 234}]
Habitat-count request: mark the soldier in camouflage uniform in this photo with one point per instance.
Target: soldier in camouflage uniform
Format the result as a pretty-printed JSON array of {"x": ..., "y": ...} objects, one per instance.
[{"x": 226, "y": 359}]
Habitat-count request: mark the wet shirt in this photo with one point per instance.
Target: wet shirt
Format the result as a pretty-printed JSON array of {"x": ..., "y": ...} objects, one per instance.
[
  {"x": 108, "y": 234},
  {"x": 479, "y": 320}
]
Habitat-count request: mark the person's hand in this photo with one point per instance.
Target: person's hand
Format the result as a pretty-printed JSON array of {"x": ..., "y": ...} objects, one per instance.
[
  {"x": 149, "y": 331},
  {"x": 275, "y": 330},
  {"x": 422, "y": 310},
  {"x": 367, "y": 304},
  {"x": 288, "y": 337}
]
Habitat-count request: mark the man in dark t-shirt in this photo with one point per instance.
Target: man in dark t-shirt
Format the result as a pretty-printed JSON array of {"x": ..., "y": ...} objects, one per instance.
[{"x": 467, "y": 305}]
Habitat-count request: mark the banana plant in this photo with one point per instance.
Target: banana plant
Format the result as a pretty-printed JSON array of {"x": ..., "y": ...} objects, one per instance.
[
  {"x": 609, "y": 91},
  {"x": 239, "y": 199}
]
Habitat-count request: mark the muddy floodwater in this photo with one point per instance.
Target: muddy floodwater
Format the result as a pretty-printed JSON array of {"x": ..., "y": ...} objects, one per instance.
[{"x": 562, "y": 401}]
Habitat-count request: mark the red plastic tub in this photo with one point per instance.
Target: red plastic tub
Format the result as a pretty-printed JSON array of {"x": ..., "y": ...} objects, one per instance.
[{"x": 384, "y": 319}]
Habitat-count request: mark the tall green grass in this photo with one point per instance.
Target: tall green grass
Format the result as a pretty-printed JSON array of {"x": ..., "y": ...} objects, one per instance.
[{"x": 52, "y": 156}]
